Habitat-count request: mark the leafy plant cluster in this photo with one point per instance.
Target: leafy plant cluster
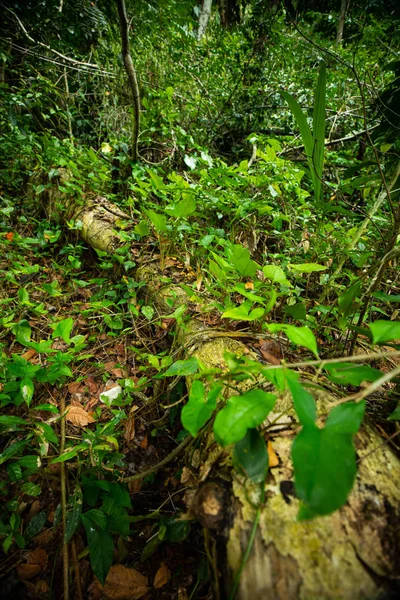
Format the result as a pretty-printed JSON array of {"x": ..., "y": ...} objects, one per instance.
[{"x": 260, "y": 240}]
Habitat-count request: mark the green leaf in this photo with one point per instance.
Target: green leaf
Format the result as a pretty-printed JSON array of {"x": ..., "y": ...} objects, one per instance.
[
  {"x": 307, "y": 267},
  {"x": 395, "y": 416},
  {"x": 159, "y": 221},
  {"x": 241, "y": 313},
  {"x": 240, "y": 414},
  {"x": 22, "y": 332},
  {"x": 190, "y": 161},
  {"x": 346, "y": 300},
  {"x": 31, "y": 489},
  {"x": 182, "y": 368},
  {"x": 10, "y": 423},
  {"x": 63, "y": 329},
  {"x": 240, "y": 259},
  {"x": 250, "y": 456},
  {"x": 12, "y": 450},
  {"x": 297, "y": 311},
  {"x": 276, "y": 274},
  {"x": 148, "y": 312},
  {"x": 351, "y": 374},
  {"x": 200, "y": 407},
  {"x": 142, "y": 228},
  {"x": 303, "y": 402},
  {"x": 319, "y": 132},
  {"x": 27, "y": 389},
  {"x": 23, "y": 296},
  {"x": 301, "y": 336},
  {"x": 324, "y": 461},
  {"x": 248, "y": 294},
  {"x": 101, "y": 549},
  {"x": 385, "y": 331},
  {"x": 182, "y": 209},
  {"x": 35, "y": 525},
  {"x": 386, "y": 297},
  {"x": 73, "y": 515}
]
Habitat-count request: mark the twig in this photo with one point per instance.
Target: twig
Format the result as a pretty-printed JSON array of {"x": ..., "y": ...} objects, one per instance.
[
  {"x": 78, "y": 582},
  {"x": 162, "y": 463},
  {"x": 50, "y": 49},
  {"x": 347, "y": 138},
  {"x": 64, "y": 502},
  {"x": 370, "y": 389}
]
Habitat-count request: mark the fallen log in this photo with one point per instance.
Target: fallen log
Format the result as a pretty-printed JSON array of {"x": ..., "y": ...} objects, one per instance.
[{"x": 257, "y": 547}]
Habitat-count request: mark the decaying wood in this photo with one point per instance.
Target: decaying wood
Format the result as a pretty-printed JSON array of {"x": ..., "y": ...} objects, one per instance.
[{"x": 351, "y": 554}]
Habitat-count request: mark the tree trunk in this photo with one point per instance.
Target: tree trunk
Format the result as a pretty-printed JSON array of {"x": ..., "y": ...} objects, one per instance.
[
  {"x": 349, "y": 555},
  {"x": 130, "y": 70},
  {"x": 204, "y": 18},
  {"x": 344, "y": 7},
  {"x": 230, "y": 12}
]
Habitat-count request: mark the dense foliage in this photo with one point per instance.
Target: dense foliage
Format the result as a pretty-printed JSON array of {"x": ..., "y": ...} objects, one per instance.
[{"x": 266, "y": 189}]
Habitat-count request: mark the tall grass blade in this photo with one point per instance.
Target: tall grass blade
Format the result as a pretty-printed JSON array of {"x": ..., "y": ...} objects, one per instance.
[
  {"x": 305, "y": 133},
  {"x": 319, "y": 131}
]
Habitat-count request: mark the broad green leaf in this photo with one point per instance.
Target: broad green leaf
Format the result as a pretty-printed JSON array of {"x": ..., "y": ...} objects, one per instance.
[
  {"x": 301, "y": 336},
  {"x": 35, "y": 525},
  {"x": 346, "y": 418},
  {"x": 276, "y": 274},
  {"x": 395, "y": 415},
  {"x": 351, "y": 374},
  {"x": 159, "y": 221},
  {"x": 248, "y": 294},
  {"x": 385, "y": 331},
  {"x": 10, "y": 423},
  {"x": 190, "y": 161},
  {"x": 182, "y": 368},
  {"x": 297, "y": 311},
  {"x": 250, "y": 456},
  {"x": 324, "y": 461},
  {"x": 113, "y": 322},
  {"x": 12, "y": 450},
  {"x": 182, "y": 209},
  {"x": 74, "y": 514},
  {"x": 148, "y": 312},
  {"x": 22, "y": 332},
  {"x": 63, "y": 329},
  {"x": 23, "y": 296},
  {"x": 101, "y": 549},
  {"x": 346, "y": 300},
  {"x": 142, "y": 228},
  {"x": 386, "y": 297},
  {"x": 156, "y": 180},
  {"x": 200, "y": 407},
  {"x": 240, "y": 414},
  {"x": 307, "y": 267},
  {"x": 241, "y": 260},
  {"x": 243, "y": 312},
  {"x": 303, "y": 402},
  {"x": 31, "y": 489},
  {"x": 27, "y": 389}
]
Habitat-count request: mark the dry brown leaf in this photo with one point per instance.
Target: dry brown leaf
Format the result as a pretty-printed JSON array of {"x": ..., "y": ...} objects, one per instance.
[
  {"x": 144, "y": 443},
  {"x": 187, "y": 477},
  {"x": 91, "y": 385},
  {"x": 119, "y": 373},
  {"x": 272, "y": 456},
  {"x": 28, "y": 571},
  {"x": 38, "y": 556},
  {"x": 29, "y": 354},
  {"x": 78, "y": 416},
  {"x": 44, "y": 538},
  {"x": 162, "y": 576},
  {"x": 123, "y": 583},
  {"x": 129, "y": 429},
  {"x": 76, "y": 387}
]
